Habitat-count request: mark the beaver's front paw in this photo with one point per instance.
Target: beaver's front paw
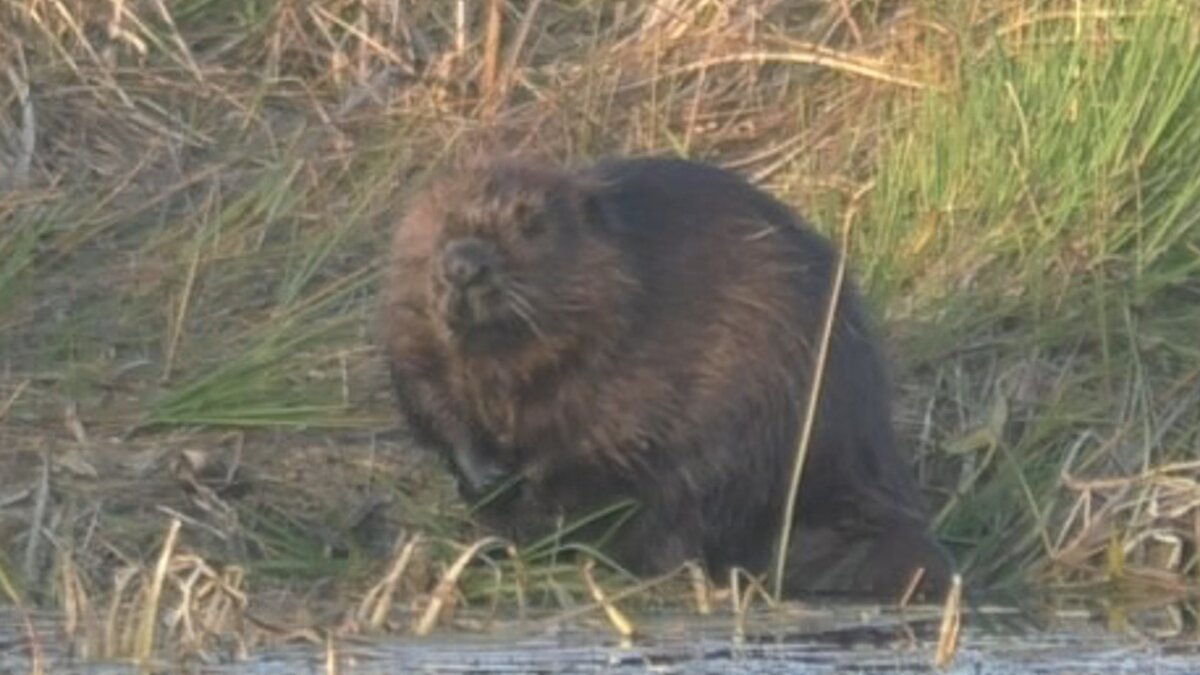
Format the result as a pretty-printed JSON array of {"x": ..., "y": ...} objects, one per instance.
[{"x": 477, "y": 476}]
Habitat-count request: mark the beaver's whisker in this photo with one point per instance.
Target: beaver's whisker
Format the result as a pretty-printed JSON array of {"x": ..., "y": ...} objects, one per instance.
[
  {"x": 524, "y": 311},
  {"x": 519, "y": 292}
]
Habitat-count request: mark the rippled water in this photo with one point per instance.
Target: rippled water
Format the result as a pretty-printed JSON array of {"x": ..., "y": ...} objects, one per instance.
[{"x": 842, "y": 640}]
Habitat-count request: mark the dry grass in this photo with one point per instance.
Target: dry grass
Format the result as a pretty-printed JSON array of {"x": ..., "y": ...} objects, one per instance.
[{"x": 193, "y": 196}]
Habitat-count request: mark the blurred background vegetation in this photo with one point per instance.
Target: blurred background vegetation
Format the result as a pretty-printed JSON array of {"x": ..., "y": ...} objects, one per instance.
[{"x": 195, "y": 196}]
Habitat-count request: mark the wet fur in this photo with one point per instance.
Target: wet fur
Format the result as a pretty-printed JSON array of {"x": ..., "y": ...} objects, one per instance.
[{"x": 660, "y": 347}]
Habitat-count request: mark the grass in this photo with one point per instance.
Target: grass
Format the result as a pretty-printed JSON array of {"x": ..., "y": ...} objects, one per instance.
[
  {"x": 190, "y": 255},
  {"x": 1056, "y": 177}
]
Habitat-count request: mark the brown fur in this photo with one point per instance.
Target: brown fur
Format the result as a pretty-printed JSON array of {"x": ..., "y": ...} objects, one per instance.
[{"x": 654, "y": 330}]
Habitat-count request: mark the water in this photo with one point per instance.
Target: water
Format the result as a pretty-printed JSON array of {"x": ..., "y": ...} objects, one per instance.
[{"x": 822, "y": 640}]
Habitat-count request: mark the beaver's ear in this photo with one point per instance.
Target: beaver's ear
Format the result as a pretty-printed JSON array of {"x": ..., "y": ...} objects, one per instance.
[{"x": 593, "y": 203}]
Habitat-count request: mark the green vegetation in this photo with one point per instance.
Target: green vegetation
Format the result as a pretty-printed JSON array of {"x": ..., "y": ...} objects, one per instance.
[
  {"x": 190, "y": 250},
  {"x": 1050, "y": 205}
]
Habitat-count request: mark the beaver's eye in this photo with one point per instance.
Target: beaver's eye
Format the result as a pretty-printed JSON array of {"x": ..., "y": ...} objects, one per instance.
[{"x": 533, "y": 224}]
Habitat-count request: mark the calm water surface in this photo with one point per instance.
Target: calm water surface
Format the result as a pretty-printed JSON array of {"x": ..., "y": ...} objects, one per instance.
[{"x": 795, "y": 641}]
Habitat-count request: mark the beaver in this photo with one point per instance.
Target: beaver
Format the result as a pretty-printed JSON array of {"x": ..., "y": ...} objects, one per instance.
[{"x": 645, "y": 330}]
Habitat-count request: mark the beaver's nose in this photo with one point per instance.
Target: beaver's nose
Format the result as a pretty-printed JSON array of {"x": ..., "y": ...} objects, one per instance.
[{"x": 467, "y": 261}]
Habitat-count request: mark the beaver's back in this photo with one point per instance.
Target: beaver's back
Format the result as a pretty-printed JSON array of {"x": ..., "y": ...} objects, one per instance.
[{"x": 735, "y": 290}]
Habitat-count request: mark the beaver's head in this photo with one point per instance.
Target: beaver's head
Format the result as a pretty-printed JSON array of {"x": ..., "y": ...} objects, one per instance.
[{"x": 512, "y": 253}]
